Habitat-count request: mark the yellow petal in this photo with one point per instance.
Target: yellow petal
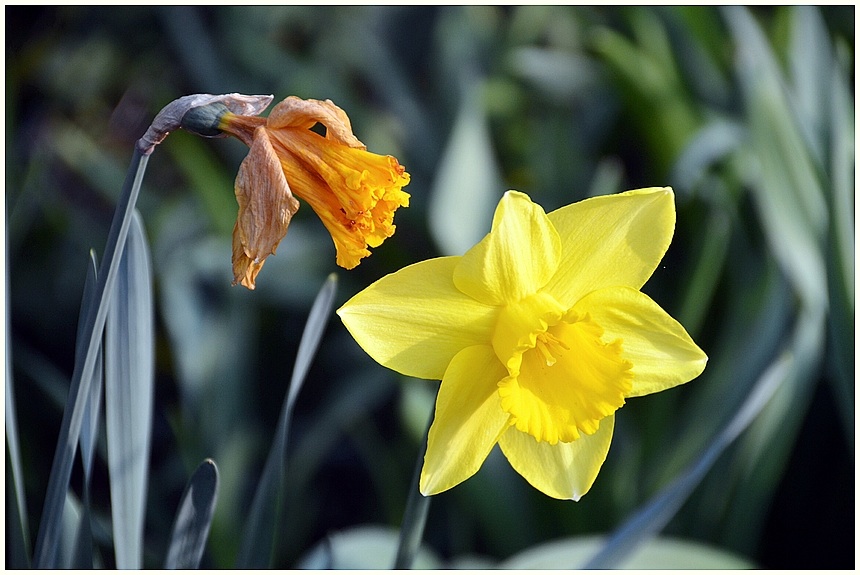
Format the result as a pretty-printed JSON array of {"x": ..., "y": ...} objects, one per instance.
[
  {"x": 266, "y": 206},
  {"x": 468, "y": 420},
  {"x": 414, "y": 321},
  {"x": 662, "y": 353},
  {"x": 515, "y": 259},
  {"x": 563, "y": 470},
  {"x": 611, "y": 240}
]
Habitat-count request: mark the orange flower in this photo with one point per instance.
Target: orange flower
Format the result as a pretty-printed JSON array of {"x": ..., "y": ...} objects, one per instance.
[{"x": 354, "y": 192}]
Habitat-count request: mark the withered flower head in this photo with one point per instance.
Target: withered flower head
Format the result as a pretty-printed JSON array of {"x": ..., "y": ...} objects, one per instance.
[{"x": 353, "y": 191}]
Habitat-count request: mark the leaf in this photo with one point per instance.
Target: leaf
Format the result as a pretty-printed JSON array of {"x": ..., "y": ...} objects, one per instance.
[
  {"x": 415, "y": 515},
  {"x": 83, "y": 553},
  {"x": 17, "y": 553},
  {"x": 89, "y": 430},
  {"x": 17, "y": 538},
  {"x": 129, "y": 366},
  {"x": 811, "y": 63},
  {"x": 362, "y": 547},
  {"x": 661, "y": 553},
  {"x": 779, "y": 169},
  {"x": 193, "y": 519},
  {"x": 467, "y": 185},
  {"x": 50, "y": 528},
  {"x": 841, "y": 268},
  {"x": 262, "y": 526},
  {"x": 646, "y": 522},
  {"x": 709, "y": 145}
]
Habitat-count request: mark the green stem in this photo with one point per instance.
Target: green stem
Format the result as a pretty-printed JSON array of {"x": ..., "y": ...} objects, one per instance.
[
  {"x": 47, "y": 543},
  {"x": 415, "y": 516}
]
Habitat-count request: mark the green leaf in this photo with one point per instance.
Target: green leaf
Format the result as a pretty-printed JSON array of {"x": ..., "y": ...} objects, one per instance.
[
  {"x": 661, "y": 553},
  {"x": 811, "y": 63},
  {"x": 17, "y": 531},
  {"x": 262, "y": 526},
  {"x": 50, "y": 528},
  {"x": 841, "y": 268},
  {"x": 129, "y": 371},
  {"x": 17, "y": 552},
  {"x": 362, "y": 547},
  {"x": 468, "y": 184},
  {"x": 778, "y": 166},
  {"x": 646, "y": 522},
  {"x": 191, "y": 526},
  {"x": 83, "y": 553},
  {"x": 415, "y": 515},
  {"x": 89, "y": 430}
]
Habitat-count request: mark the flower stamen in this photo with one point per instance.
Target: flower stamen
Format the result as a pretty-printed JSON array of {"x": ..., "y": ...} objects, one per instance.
[{"x": 550, "y": 347}]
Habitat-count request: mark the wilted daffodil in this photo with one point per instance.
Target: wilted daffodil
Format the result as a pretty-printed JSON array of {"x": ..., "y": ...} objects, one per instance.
[
  {"x": 539, "y": 334},
  {"x": 353, "y": 191}
]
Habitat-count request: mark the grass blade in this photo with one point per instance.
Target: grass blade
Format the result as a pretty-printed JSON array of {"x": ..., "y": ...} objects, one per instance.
[
  {"x": 50, "y": 526},
  {"x": 17, "y": 554},
  {"x": 261, "y": 529},
  {"x": 651, "y": 518},
  {"x": 17, "y": 540},
  {"x": 89, "y": 430},
  {"x": 191, "y": 527},
  {"x": 458, "y": 221},
  {"x": 415, "y": 515},
  {"x": 83, "y": 553},
  {"x": 129, "y": 365}
]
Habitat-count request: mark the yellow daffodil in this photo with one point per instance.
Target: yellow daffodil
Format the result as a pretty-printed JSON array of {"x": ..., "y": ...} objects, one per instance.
[
  {"x": 353, "y": 191},
  {"x": 539, "y": 334}
]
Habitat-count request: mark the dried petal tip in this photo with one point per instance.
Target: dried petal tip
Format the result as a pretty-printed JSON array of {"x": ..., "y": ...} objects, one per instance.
[{"x": 172, "y": 116}]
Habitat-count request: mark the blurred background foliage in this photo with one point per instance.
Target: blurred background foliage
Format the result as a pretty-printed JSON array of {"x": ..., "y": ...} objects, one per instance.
[{"x": 747, "y": 113}]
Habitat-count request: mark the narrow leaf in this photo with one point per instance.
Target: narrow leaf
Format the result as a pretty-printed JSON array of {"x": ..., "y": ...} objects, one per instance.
[
  {"x": 128, "y": 396},
  {"x": 82, "y": 557},
  {"x": 362, "y": 547},
  {"x": 662, "y": 553},
  {"x": 50, "y": 526},
  {"x": 782, "y": 174},
  {"x": 17, "y": 554},
  {"x": 17, "y": 538},
  {"x": 89, "y": 430},
  {"x": 468, "y": 183},
  {"x": 652, "y": 517},
  {"x": 415, "y": 515},
  {"x": 191, "y": 526},
  {"x": 262, "y": 527}
]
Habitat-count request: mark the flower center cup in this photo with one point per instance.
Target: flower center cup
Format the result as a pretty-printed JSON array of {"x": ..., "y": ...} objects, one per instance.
[{"x": 563, "y": 378}]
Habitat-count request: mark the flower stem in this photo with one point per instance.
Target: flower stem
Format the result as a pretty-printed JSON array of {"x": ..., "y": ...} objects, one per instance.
[
  {"x": 47, "y": 543},
  {"x": 415, "y": 516}
]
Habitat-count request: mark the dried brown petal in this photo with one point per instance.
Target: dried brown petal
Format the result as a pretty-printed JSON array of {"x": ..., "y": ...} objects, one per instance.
[
  {"x": 266, "y": 206},
  {"x": 294, "y": 112}
]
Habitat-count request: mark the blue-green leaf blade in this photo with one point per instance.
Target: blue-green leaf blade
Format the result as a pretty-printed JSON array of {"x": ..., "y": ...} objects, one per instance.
[
  {"x": 646, "y": 522},
  {"x": 89, "y": 429},
  {"x": 256, "y": 550},
  {"x": 50, "y": 527},
  {"x": 458, "y": 219},
  {"x": 129, "y": 394},
  {"x": 194, "y": 518}
]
